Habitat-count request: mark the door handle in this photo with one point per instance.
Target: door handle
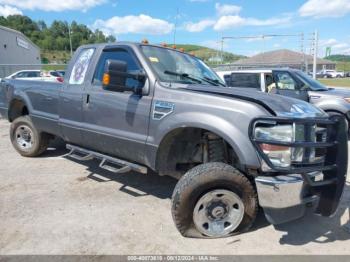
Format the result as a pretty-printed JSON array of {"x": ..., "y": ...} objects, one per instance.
[
  {"x": 87, "y": 99},
  {"x": 48, "y": 98}
]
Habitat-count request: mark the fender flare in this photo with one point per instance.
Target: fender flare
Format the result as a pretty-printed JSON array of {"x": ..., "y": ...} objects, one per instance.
[{"x": 238, "y": 140}]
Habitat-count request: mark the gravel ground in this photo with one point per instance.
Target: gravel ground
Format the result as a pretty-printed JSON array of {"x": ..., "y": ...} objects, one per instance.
[{"x": 53, "y": 205}]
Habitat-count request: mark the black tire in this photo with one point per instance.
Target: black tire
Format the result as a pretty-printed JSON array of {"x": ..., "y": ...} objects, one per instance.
[
  {"x": 203, "y": 179},
  {"x": 40, "y": 141}
]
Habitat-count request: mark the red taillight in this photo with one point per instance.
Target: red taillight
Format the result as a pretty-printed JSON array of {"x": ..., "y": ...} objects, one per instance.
[{"x": 60, "y": 79}]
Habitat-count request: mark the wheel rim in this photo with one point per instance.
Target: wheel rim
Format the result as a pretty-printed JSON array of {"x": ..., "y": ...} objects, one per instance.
[
  {"x": 218, "y": 213},
  {"x": 24, "y": 137}
]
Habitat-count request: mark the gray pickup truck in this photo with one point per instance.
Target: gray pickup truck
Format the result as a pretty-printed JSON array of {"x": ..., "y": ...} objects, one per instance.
[
  {"x": 140, "y": 107},
  {"x": 292, "y": 83}
]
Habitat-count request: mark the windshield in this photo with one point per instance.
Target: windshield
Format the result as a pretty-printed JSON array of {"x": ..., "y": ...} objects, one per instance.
[
  {"x": 176, "y": 67},
  {"x": 310, "y": 82}
]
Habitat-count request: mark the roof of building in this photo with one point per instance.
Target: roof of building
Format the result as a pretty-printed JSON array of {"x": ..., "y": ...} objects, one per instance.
[
  {"x": 19, "y": 33},
  {"x": 280, "y": 57}
]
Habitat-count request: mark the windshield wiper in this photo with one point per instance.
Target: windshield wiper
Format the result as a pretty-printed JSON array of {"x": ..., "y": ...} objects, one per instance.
[
  {"x": 213, "y": 81},
  {"x": 184, "y": 75}
]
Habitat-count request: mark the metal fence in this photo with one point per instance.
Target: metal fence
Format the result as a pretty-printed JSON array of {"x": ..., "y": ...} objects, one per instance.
[{"x": 8, "y": 69}]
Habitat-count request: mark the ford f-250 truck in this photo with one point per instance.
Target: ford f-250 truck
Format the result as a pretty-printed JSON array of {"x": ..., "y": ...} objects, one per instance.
[{"x": 139, "y": 107}]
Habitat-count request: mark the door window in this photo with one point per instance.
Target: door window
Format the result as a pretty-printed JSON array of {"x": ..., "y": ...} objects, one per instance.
[
  {"x": 121, "y": 55},
  {"x": 33, "y": 74},
  {"x": 284, "y": 81}
]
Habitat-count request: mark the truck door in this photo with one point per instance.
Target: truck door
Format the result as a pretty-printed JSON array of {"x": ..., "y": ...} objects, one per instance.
[
  {"x": 286, "y": 85},
  {"x": 116, "y": 123},
  {"x": 71, "y": 98}
]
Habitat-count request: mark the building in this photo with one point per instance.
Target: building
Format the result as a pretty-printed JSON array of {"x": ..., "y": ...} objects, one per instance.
[
  {"x": 279, "y": 58},
  {"x": 17, "y": 52}
]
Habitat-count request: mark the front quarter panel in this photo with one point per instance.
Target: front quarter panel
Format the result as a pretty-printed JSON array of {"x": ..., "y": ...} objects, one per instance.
[{"x": 226, "y": 117}]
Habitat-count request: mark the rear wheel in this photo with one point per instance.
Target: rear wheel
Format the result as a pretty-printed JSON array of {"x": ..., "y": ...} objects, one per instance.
[
  {"x": 26, "y": 139},
  {"x": 214, "y": 200}
]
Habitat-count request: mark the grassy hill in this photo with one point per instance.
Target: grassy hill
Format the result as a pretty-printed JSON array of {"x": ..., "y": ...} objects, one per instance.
[
  {"x": 343, "y": 61},
  {"x": 209, "y": 55},
  {"x": 338, "y": 58}
]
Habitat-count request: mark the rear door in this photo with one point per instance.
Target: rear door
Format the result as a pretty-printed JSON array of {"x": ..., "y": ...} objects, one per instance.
[
  {"x": 287, "y": 85},
  {"x": 116, "y": 123},
  {"x": 71, "y": 97}
]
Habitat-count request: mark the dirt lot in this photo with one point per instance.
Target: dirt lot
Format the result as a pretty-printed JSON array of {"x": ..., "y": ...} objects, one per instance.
[{"x": 53, "y": 205}]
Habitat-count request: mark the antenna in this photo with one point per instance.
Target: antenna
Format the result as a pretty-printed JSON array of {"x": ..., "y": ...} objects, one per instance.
[{"x": 175, "y": 28}]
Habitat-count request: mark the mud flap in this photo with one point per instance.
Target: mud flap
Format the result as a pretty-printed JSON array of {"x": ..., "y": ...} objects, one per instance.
[{"x": 330, "y": 194}]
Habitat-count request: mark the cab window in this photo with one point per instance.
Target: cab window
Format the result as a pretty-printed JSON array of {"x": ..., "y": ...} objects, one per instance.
[
  {"x": 247, "y": 80},
  {"x": 285, "y": 81},
  {"x": 121, "y": 55}
]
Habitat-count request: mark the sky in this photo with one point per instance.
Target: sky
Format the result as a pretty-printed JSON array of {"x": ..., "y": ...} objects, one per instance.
[{"x": 205, "y": 22}]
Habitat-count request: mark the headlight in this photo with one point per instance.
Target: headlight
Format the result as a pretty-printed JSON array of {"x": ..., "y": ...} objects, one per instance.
[
  {"x": 347, "y": 99},
  {"x": 271, "y": 134}
]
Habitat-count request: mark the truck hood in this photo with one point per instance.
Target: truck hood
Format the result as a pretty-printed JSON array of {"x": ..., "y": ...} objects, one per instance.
[
  {"x": 275, "y": 104},
  {"x": 332, "y": 92}
]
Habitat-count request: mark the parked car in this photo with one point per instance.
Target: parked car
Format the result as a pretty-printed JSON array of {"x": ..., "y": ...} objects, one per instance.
[
  {"x": 37, "y": 75},
  {"x": 25, "y": 75},
  {"x": 322, "y": 74},
  {"x": 52, "y": 76},
  {"x": 292, "y": 83},
  {"x": 332, "y": 73},
  {"x": 62, "y": 72},
  {"x": 140, "y": 107}
]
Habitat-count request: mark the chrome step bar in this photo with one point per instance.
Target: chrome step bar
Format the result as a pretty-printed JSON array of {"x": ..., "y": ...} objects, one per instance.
[{"x": 82, "y": 154}]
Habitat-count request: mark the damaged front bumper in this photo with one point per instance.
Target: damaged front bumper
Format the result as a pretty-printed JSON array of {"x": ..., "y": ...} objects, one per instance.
[{"x": 286, "y": 193}]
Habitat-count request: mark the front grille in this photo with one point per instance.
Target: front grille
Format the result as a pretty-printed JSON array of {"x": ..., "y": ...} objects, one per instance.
[{"x": 319, "y": 144}]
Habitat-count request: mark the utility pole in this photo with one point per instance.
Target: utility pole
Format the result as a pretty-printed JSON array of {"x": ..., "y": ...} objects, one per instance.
[
  {"x": 70, "y": 40},
  {"x": 315, "y": 45},
  {"x": 303, "y": 62}
]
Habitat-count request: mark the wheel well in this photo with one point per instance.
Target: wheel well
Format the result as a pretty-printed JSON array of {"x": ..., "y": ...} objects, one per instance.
[
  {"x": 184, "y": 148},
  {"x": 17, "y": 108}
]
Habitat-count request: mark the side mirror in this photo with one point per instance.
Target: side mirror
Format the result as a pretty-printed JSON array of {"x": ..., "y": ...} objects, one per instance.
[{"x": 116, "y": 75}]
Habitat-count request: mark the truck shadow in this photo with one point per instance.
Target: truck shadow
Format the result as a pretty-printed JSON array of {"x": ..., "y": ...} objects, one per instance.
[
  {"x": 309, "y": 229},
  {"x": 317, "y": 229}
]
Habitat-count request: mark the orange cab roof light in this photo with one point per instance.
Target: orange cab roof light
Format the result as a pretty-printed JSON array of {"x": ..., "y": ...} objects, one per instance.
[{"x": 145, "y": 42}]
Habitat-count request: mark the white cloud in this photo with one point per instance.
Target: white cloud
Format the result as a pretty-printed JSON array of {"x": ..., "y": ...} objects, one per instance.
[
  {"x": 215, "y": 44},
  {"x": 200, "y": 26},
  {"x": 232, "y": 21},
  {"x": 53, "y": 5},
  {"x": 6, "y": 10},
  {"x": 227, "y": 9},
  {"x": 142, "y": 24},
  {"x": 325, "y": 8}
]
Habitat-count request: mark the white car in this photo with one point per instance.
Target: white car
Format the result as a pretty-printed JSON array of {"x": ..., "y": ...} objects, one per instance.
[
  {"x": 332, "y": 73},
  {"x": 36, "y": 75}
]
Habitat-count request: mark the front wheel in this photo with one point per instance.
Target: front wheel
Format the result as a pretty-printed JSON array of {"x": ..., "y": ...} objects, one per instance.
[
  {"x": 26, "y": 139},
  {"x": 214, "y": 200}
]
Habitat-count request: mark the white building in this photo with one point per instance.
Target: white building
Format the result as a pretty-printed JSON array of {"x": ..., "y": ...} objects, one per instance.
[{"x": 17, "y": 52}]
